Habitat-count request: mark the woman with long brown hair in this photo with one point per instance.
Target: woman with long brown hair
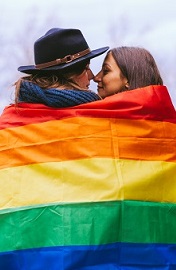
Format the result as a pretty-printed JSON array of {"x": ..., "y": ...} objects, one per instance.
[{"x": 127, "y": 68}]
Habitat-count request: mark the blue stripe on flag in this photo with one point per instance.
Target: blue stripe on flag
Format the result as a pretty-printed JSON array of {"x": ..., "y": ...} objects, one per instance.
[{"x": 124, "y": 256}]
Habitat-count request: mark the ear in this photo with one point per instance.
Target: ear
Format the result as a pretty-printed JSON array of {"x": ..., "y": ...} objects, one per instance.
[{"x": 127, "y": 85}]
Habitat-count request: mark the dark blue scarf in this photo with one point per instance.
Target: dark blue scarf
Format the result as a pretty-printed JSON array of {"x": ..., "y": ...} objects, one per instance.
[{"x": 32, "y": 93}]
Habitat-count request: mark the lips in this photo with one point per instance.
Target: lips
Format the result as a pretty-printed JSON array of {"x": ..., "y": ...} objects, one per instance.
[{"x": 99, "y": 87}]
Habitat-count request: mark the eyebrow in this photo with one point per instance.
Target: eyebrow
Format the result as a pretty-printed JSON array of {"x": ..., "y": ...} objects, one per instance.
[{"x": 106, "y": 64}]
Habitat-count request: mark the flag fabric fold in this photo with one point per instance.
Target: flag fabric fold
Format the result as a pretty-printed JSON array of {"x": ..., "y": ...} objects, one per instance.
[{"x": 91, "y": 186}]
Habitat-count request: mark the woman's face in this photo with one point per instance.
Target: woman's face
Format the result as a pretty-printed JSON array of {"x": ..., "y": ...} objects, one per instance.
[
  {"x": 110, "y": 78},
  {"x": 83, "y": 80}
]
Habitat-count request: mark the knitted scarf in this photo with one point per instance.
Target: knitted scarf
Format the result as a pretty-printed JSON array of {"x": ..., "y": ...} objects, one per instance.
[{"x": 32, "y": 93}]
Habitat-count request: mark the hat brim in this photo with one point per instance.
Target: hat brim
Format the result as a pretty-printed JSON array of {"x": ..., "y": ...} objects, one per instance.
[{"x": 33, "y": 70}]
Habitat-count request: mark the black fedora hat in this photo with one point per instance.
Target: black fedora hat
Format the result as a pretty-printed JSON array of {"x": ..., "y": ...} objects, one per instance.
[{"x": 58, "y": 49}]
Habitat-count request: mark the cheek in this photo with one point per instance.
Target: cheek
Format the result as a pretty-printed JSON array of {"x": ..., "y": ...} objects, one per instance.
[
  {"x": 109, "y": 82},
  {"x": 113, "y": 84},
  {"x": 83, "y": 80},
  {"x": 106, "y": 80},
  {"x": 86, "y": 80}
]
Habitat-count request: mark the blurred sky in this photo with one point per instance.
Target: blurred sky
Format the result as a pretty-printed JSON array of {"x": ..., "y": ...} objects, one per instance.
[{"x": 147, "y": 23}]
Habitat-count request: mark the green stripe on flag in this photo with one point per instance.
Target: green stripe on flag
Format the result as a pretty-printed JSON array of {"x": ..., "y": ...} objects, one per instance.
[{"x": 87, "y": 224}]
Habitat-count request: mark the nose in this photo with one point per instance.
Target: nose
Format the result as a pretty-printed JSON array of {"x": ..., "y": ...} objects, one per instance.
[
  {"x": 97, "y": 77},
  {"x": 90, "y": 74}
]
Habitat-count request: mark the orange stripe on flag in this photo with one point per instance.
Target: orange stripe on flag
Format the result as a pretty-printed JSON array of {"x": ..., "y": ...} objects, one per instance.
[{"x": 50, "y": 141}]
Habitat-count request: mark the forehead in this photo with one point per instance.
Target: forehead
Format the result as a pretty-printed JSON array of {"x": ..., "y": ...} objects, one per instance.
[
  {"x": 109, "y": 59},
  {"x": 112, "y": 65}
]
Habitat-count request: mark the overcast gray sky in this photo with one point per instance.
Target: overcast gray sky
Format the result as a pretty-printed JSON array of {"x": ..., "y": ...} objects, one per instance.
[{"x": 147, "y": 23}]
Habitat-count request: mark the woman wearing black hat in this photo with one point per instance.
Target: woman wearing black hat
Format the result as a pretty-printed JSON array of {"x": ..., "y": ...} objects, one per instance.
[{"x": 62, "y": 58}]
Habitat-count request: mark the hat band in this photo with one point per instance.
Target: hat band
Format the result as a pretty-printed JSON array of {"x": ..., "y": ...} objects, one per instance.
[{"x": 67, "y": 59}]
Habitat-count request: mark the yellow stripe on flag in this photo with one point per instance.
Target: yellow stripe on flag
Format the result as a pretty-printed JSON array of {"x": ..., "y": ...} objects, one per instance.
[{"x": 87, "y": 180}]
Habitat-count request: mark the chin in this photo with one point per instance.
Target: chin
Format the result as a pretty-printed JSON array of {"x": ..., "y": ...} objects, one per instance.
[{"x": 101, "y": 94}]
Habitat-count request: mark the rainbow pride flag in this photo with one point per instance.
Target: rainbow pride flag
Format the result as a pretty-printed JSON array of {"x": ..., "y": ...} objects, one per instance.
[{"x": 92, "y": 187}]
